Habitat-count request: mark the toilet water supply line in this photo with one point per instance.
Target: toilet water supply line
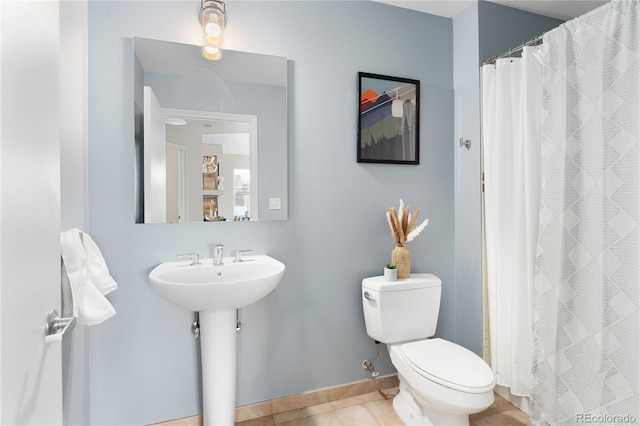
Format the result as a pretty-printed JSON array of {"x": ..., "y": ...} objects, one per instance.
[
  {"x": 195, "y": 327},
  {"x": 367, "y": 365},
  {"x": 238, "y": 323}
]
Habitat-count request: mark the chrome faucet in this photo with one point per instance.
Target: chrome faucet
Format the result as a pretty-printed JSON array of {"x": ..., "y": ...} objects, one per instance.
[{"x": 218, "y": 251}]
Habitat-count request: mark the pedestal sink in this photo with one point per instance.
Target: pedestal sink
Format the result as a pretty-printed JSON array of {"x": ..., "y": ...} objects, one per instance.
[{"x": 216, "y": 291}]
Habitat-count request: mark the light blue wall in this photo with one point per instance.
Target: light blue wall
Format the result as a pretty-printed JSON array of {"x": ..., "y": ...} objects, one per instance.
[
  {"x": 468, "y": 238},
  {"x": 481, "y": 31},
  {"x": 310, "y": 332}
]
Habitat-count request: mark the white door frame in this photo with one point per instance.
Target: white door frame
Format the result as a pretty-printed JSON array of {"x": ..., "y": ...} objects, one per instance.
[{"x": 183, "y": 181}]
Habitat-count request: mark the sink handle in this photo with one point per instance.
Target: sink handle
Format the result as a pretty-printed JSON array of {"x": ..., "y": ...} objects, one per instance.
[
  {"x": 195, "y": 258},
  {"x": 239, "y": 253}
]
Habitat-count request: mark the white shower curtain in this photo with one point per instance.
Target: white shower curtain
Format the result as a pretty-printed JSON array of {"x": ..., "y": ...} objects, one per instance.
[
  {"x": 586, "y": 333},
  {"x": 512, "y": 103}
]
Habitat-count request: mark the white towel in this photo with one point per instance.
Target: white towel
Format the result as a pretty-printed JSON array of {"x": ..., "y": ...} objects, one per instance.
[
  {"x": 89, "y": 277},
  {"x": 98, "y": 271}
]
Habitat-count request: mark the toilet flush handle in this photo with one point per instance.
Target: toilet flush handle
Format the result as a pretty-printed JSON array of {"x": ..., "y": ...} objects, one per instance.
[{"x": 368, "y": 296}]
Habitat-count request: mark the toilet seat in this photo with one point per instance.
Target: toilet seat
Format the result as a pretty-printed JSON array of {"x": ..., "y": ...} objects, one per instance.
[{"x": 448, "y": 364}]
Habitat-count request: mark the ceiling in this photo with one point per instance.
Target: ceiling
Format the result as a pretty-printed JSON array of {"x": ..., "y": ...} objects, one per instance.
[{"x": 560, "y": 9}]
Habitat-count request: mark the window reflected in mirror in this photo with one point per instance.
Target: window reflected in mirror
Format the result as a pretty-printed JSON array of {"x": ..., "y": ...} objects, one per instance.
[{"x": 241, "y": 194}]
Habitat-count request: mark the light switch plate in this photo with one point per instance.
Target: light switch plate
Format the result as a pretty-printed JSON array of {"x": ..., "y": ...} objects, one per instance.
[{"x": 274, "y": 204}]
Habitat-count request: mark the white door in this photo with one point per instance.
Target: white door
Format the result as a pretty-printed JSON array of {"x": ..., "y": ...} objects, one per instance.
[
  {"x": 177, "y": 188},
  {"x": 30, "y": 369},
  {"x": 155, "y": 160}
]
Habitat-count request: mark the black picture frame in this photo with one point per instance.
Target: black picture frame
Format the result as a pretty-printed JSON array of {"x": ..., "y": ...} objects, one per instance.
[{"x": 388, "y": 119}]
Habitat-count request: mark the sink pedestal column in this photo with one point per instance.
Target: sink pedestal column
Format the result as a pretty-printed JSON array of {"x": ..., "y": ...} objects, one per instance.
[{"x": 218, "y": 343}]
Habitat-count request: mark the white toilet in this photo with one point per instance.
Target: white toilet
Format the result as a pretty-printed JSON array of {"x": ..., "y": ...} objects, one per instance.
[{"x": 441, "y": 383}]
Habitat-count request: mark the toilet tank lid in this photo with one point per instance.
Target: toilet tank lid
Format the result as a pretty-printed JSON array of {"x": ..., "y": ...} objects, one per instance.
[{"x": 415, "y": 281}]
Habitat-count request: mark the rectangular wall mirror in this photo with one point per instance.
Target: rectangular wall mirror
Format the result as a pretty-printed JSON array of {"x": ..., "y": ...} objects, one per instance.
[{"x": 210, "y": 136}]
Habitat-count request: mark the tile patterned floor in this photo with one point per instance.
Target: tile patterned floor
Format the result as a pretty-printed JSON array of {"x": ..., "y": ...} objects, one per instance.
[
  {"x": 370, "y": 409},
  {"x": 375, "y": 409}
]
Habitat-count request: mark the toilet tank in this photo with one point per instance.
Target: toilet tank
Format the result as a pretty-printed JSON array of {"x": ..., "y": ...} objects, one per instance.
[{"x": 403, "y": 310}]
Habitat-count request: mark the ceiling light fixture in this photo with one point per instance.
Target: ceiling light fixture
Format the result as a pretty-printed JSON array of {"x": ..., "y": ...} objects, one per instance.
[
  {"x": 175, "y": 121},
  {"x": 213, "y": 20}
]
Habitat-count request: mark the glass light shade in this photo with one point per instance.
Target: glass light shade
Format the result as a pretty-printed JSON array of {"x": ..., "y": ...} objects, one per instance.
[
  {"x": 212, "y": 18},
  {"x": 211, "y": 53},
  {"x": 213, "y": 31}
]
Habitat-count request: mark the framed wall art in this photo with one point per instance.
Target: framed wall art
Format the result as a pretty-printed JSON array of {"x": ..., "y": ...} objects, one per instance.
[{"x": 388, "y": 119}]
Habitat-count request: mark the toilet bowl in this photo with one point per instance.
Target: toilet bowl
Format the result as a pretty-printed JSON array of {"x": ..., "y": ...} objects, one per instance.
[{"x": 441, "y": 383}]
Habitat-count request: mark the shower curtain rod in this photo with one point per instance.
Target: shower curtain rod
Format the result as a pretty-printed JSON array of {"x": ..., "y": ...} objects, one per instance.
[{"x": 533, "y": 42}]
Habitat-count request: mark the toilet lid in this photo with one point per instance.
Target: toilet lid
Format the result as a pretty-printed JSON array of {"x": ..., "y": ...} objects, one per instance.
[{"x": 450, "y": 365}]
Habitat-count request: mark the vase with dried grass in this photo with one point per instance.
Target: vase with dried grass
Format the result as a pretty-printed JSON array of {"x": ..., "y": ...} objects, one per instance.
[{"x": 403, "y": 230}]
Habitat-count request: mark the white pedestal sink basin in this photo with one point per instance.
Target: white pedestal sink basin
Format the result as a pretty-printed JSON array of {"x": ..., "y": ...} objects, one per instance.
[
  {"x": 208, "y": 287},
  {"x": 216, "y": 291}
]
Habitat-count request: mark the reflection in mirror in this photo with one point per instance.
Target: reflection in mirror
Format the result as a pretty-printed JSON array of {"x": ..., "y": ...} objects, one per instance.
[
  {"x": 204, "y": 150},
  {"x": 211, "y": 137}
]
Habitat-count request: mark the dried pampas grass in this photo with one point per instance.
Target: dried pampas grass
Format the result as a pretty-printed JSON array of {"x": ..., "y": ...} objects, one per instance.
[{"x": 403, "y": 224}]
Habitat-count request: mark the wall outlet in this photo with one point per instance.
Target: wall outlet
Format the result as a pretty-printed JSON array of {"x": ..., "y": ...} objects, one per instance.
[{"x": 274, "y": 204}]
